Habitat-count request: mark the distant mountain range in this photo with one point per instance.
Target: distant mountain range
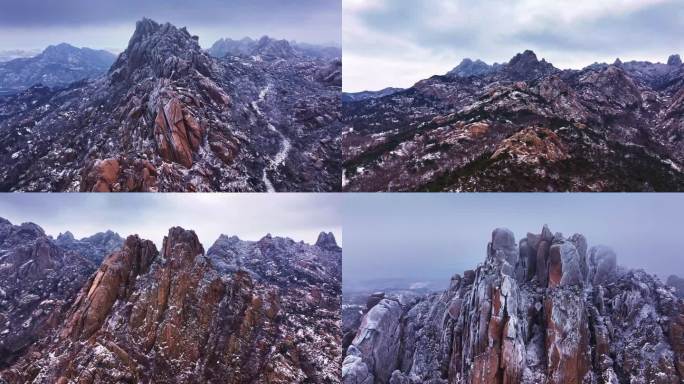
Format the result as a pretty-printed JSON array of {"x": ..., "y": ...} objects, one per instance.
[
  {"x": 521, "y": 126},
  {"x": 270, "y": 47},
  {"x": 358, "y": 96},
  {"x": 58, "y": 65},
  {"x": 17, "y": 54}
]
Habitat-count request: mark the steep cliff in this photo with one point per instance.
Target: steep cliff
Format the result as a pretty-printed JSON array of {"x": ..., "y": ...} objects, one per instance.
[{"x": 545, "y": 310}]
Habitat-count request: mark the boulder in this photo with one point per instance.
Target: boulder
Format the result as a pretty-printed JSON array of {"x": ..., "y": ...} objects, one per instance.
[
  {"x": 503, "y": 247},
  {"x": 354, "y": 370},
  {"x": 378, "y": 339}
]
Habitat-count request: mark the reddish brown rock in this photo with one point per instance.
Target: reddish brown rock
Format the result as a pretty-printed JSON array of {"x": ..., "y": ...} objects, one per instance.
[
  {"x": 567, "y": 338},
  {"x": 112, "y": 281},
  {"x": 177, "y": 132},
  {"x": 119, "y": 175},
  {"x": 555, "y": 267},
  {"x": 226, "y": 148},
  {"x": 177, "y": 317},
  {"x": 215, "y": 93}
]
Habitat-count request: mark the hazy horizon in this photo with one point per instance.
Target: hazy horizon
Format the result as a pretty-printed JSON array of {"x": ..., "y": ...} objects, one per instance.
[
  {"x": 397, "y": 43},
  {"x": 250, "y": 216},
  {"x": 421, "y": 238},
  {"x": 34, "y": 24}
]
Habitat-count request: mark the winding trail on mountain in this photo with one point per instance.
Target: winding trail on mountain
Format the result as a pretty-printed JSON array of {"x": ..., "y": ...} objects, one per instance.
[{"x": 280, "y": 157}]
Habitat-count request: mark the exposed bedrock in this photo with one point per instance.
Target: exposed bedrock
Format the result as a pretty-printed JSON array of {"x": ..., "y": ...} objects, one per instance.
[{"x": 546, "y": 309}]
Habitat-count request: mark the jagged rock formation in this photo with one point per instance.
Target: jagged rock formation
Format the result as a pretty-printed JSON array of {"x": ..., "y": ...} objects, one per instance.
[
  {"x": 95, "y": 247},
  {"x": 169, "y": 117},
  {"x": 522, "y": 126},
  {"x": 547, "y": 309},
  {"x": 270, "y": 47},
  {"x": 181, "y": 315},
  {"x": 57, "y": 66},
  {"x": 38, "y": 281}
]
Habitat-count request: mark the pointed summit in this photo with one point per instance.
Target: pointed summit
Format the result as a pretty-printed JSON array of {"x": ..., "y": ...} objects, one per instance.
[
  {"x": 327, "y": 241},
  {"x": 617, "y": 62},
  {"x": 674, "y": 60},
  {"x": 468, "y": 67},
  {"x": 527, "y": 57},
  {"x": 526, "y": 66},
  {"x": 66, "y": 236},
  {"x": 270, "y": 47},
  {"x": 143, "y": 28},
  {"x": 160, "y": 50}
]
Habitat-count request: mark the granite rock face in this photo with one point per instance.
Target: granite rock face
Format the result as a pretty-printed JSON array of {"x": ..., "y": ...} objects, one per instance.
[
  {"x": 544, "y": 310},
  {"x": 167, "y": 116},
  {"x": 38, "y": 281},
  {"x": 180, "y": 315},
  {"x": 521, "y": 126}
]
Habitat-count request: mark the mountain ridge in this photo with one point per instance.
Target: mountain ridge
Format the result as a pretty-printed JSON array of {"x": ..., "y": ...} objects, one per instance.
[
  {"x": 178, "y": 314},
  {"x": 526, "y": 126},
  {"x": 56, "y": 66}
]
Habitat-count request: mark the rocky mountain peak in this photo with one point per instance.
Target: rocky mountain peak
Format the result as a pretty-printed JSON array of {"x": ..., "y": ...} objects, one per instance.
[
  {"x": 468, "y": 67},
  {"x": 143, "y": 28},
  {"x": 674, "y": 60},
  {"x": 327, "y": 240},
  {"x": 185, "y": 318},
  {"x": 267, "y": 46},
  {"x": 526, "y": 58},
  {"x": 66, "y": 236},
  {"x": 181, "y": 247},
  {"x": 562, "y": 314},
  {"x": 526, "y": 66},
  {"x": 59, "y": 49},
  {"x": 162, "y": 48}
]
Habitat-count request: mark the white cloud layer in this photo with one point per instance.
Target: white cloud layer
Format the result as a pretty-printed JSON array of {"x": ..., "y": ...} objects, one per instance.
[
  {"x": 398, "y": 42},
  {"x": 249, "y": 216}
]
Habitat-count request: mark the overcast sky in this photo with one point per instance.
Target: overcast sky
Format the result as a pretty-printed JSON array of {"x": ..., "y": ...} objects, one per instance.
[
  {"x": 249, "y": 216},
  {"x": 109, "y": 24},
  {"x": 398, "y": 42},
  {"x": 429, "y": 237}
]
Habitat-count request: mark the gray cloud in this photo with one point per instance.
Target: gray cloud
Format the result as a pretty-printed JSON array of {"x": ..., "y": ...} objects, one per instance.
[
  {"x": 430, "y": 237},
  {"x": 37, "y": 23},
  {"x": 249, "y": 216},
  {"x": 386, "y": 42}
]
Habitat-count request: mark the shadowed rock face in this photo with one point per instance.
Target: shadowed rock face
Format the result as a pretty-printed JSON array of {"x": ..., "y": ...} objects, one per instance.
[
  {"x": 543, "y": 310},
  {"x": 169, "y": 117},
  {"x": 521, "y": 126},
  {"x": 182, "y": 316},
  {"x": 38, "y": 281}
]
